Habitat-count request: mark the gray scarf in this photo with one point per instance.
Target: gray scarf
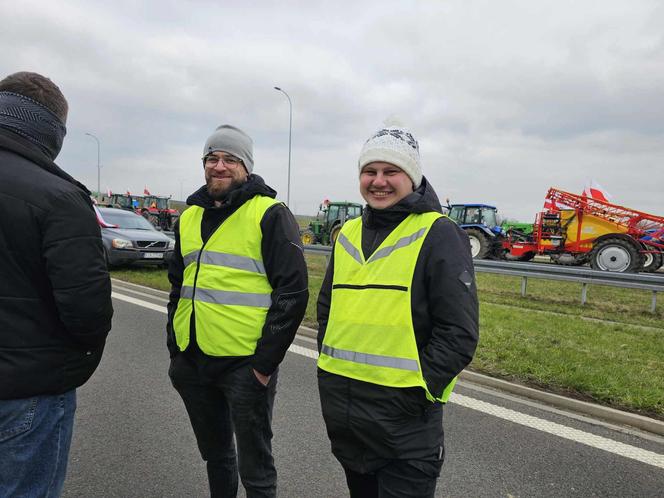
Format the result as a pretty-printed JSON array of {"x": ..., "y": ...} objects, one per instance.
[{"x": 32, "y": 120}]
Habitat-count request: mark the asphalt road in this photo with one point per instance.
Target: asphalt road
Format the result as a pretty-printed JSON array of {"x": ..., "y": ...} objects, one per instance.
[{"x": 132, "y": 436}]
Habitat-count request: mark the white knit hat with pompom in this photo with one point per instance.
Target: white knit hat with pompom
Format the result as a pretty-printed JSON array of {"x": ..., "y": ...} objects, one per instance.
[{"x": 395, "y": 145}]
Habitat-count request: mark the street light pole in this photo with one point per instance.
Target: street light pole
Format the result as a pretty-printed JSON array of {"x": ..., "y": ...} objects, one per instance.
[
  {"x": 98, "y": 165},
  {"x": 290, "y": 133}
]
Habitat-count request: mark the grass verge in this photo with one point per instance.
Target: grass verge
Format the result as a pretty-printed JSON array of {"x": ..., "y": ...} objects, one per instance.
[{"x": 610, "y": 351}]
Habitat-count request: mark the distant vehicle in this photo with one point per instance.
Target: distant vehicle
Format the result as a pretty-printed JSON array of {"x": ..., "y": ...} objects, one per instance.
[
  {"x": 155, "y": 209},
  {"x": 481, "y": 223},
  {"x": 329, "y": 220},
  {"x": 582, "y": 229},
  {"x": 129, "y": 238}
]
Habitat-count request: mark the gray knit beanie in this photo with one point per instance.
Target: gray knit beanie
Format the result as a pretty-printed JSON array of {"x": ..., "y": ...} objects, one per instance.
[
  {"x": 233, "y": 140},
  {"x": 394, "y": 145}
]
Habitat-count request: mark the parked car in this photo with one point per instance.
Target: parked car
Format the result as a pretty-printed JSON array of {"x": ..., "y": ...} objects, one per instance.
[{"x": 129, "y": 238}]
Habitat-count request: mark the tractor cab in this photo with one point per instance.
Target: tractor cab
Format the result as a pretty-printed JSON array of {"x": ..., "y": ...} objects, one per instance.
[
  {"x": 482, "y": 224},
  {"x": 331, "y": 216},
  {"x": 475, "y": 214}
]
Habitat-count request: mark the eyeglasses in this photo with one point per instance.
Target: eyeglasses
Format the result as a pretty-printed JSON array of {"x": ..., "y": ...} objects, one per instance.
[{"x": 230, "y": 162}]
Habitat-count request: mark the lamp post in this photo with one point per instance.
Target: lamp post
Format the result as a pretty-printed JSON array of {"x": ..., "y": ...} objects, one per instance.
[
  {"x": 98, "y": 165},
  {"x": 290, "y": 132}
]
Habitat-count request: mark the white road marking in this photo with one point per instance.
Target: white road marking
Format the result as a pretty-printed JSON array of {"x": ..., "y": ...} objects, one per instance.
[
  {"x": 602, "y": 443},
  {"x": 599, "y": 442},
  {"x": 139, "y": 302},
  {"x": 578, "y": 436},
  {"x": 141, "y": 293}
]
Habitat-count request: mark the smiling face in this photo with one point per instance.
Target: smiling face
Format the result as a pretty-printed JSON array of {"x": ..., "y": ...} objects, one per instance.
[
  {"x": 383, "y": 184},
  {"x": 223, "y": 172}
]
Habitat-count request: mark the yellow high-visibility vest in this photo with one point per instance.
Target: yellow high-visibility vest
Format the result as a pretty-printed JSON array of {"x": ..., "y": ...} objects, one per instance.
[
  {"x": 370, "y": 335},
  {"x": 224, "y": 282}
]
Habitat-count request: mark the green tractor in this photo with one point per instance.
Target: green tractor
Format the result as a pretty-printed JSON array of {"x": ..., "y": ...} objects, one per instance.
[{"x": 325, "y": 228}]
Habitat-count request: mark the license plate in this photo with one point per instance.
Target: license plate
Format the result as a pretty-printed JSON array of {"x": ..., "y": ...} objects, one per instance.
[{"x": 153, "y": 255}]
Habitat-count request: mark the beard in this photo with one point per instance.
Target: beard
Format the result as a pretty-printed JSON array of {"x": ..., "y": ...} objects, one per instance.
[{"x": 218, "y": 191}]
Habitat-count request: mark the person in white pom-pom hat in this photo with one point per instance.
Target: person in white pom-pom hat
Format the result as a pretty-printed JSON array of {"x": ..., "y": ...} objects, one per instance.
[{"x": 398, "y": 322}]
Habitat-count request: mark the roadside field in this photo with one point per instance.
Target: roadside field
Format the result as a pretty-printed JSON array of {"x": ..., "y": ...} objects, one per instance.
[{"x": 610, "y": 351}]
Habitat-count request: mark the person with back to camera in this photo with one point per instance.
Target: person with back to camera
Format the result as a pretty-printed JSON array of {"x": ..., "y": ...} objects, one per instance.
[{"x": 55, "y": 291}]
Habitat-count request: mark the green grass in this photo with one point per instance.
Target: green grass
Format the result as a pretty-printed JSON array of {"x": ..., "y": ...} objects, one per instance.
[
  {"x": 303, "y": 220},
  {"x": 613, "y": 363},
  {"x": 598, "y": 352},
  {"x": 154, "y": 277}
]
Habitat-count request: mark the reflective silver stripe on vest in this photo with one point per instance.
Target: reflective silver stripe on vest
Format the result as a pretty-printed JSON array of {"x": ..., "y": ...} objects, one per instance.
[
  {"x": 350, "y": 248},
  {"x": 227, "y": 297},
  {"x": 232, "y": 261},
  {"x": 370, "y": 359},
  {"x": 227, "y": 260},
  {"x": 403, "y": 242},
  {"x": 190, "y": 258}
]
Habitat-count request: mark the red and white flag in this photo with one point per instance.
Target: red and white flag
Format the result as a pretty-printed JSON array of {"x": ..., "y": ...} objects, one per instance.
[
  {"x": 109, "y": 193},
  {"x": 595, "y": 191},
  {"x": 146, "y": 191},
  {"x": 552, "y": 206}
]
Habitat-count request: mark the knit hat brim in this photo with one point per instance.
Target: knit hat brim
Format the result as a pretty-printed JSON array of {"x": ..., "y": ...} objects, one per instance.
[
  {"x": 402, "y": 161},
  {"x": 230, "y": 139}
]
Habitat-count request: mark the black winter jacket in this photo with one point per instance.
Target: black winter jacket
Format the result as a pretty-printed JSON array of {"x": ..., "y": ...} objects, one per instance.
[
  {"x": 55, "y": 291},
  {"x": 285, "y": 267},
  {"x": 367, "y": 423}
]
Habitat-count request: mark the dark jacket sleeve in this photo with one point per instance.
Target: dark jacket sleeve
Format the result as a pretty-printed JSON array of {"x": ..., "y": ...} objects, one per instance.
[
  {"x": 283, "y": 257},
  {"x": 324, "y": 301},
  {"x": 451, "y": 297},
  {"x": 74, "y": 257},
  {"x": 175, "y": 277}
]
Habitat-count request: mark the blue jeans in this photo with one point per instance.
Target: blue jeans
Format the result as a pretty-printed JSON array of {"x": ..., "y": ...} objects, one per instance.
[
  {"x": 232, "y": 402},
  {"x": 35, "y": 435}
]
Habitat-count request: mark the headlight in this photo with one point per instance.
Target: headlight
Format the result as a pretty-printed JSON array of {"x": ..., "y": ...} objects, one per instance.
[
  {"x": 171, "y": 244},
  {"x": 121, "y": 244}
]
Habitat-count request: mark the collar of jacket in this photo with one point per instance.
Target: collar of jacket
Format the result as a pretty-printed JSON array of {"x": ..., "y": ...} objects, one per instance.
[
  {"x": 23, "y": 147},
  {"x": 255, "y": 185},
  {"x": 33, "y": 120},
  {"x": 422, "y": 200}
]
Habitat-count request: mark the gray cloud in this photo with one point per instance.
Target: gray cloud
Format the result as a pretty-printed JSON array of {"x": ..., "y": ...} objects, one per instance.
[{"x": 506, "y": 98}]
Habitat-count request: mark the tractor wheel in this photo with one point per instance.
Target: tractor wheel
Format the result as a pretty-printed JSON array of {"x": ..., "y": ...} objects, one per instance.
[
  {"x": 567, "y": 259},
  {"x": 334, "y": 234},
  {"x": 308, "y": 238},
  {"x": 524, "y": 257},
  {"x": 617, "y": 255},
  {"x": 652, "y": 262},
  {"x": 479, "y": 244}
]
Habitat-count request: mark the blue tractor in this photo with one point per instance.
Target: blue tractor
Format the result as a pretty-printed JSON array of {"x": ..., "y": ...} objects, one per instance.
[{"x": 482, "y": 224}]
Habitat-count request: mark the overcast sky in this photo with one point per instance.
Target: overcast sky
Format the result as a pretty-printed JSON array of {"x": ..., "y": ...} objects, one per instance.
[{"x": 506, "y": 98}]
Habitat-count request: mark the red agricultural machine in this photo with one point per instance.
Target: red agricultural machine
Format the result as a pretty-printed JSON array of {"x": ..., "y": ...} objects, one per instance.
[
  {"x": 156, "y": 210},
  {"x": 153, "y": 208},
  {"x": 579, "y": 229}
]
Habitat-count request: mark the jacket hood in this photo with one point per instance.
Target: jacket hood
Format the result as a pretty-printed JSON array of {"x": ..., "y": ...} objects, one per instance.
[
  {"x": 23, "y": 147},
  {"x": 255, "y": 185},
  {"x": 422, "y": 200}
]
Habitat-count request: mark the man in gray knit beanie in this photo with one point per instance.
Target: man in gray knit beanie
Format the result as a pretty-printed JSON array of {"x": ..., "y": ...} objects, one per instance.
[{"x": 237, "y": 255}]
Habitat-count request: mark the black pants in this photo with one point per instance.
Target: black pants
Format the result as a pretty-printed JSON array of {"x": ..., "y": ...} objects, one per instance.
[
  {"x": 398, "y": 479},
  {"x": 234, "y": 402}
]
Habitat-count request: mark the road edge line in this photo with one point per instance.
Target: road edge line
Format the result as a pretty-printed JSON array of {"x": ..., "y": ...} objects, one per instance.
[{"x": 601, "y": 412}]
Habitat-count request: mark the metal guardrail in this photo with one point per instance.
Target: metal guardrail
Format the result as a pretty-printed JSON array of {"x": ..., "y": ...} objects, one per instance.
[{"x": 584, "y": 276}]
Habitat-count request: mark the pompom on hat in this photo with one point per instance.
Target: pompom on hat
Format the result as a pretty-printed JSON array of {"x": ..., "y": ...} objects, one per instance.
[{"x": 395, "y": 145}]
